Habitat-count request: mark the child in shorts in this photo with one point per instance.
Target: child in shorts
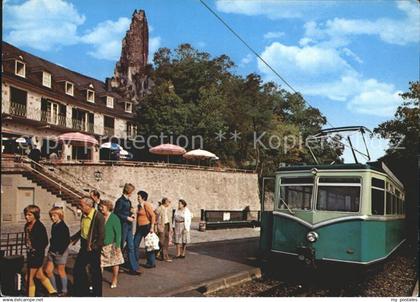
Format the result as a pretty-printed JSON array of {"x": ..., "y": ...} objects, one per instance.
[
  {"x": 58, "y": 251},
  {"x": 36, "y": 239}
]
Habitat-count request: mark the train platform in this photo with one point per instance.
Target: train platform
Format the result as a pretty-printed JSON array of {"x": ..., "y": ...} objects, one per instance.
[{"x": 206, "y": 264}]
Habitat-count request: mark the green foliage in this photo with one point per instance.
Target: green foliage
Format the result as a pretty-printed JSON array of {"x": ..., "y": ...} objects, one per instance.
[
  {"x": 195, "y": 94},
  {"x": 404, "y": 130},
  {"x": 403, "y": 155}
]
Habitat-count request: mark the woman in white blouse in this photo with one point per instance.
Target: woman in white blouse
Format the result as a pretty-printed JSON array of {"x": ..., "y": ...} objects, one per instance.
[{"x": 182, "y": 226}]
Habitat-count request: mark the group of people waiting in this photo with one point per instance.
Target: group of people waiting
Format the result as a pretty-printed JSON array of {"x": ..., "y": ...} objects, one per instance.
[{"x": 105, "y": 231}]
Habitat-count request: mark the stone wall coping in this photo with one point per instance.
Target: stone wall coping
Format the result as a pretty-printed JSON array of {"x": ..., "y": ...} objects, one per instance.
[{"x": 148, "y": 164}]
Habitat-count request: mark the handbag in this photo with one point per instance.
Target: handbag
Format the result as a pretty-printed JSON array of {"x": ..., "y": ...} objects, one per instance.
[{"x": 151, "y": 242}]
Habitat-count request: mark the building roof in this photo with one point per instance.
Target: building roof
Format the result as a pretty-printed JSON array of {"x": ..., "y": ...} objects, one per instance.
[{"x": 59, "y": 74}]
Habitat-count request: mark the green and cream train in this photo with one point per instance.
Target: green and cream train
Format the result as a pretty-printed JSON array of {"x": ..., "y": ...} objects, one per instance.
[{"x": 351, "y": 213}]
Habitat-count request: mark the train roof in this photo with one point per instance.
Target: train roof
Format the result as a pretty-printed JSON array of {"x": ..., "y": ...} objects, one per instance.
[
  {"x": 375, "y": 166},
  {"x": 331, "y": 167}
]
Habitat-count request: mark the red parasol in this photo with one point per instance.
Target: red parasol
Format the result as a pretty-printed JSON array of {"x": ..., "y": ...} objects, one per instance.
[
  {"x": 77, "y": 138},
  {"x": 167, "y": 149}
]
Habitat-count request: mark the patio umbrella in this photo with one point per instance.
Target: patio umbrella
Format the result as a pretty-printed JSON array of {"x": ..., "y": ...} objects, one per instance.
[
  {"x": 124, "y": 154},
  {"x": 114, "y": 147},
  {"x": 167, "y": 149},
  {"x": 199, "y": 154},
  {"x": 77, "y": 139},
  {"x": 23, "y": 143}
]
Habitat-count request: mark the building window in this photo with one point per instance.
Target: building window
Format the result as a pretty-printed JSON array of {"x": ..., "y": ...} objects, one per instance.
[
  {"x": 18, "y": 100},
  {"x": 110, "y": 102},
  {"x": 46, "y": 79},
  {"x": 131, "y": 130},
  {"x": 53, "y": 113},
  {"x": 69, "y": 88},
  {"x": 90, "y": 96},
  {"x": 109, "y": 123},
  {"x": 128, "y": 107},
  {"x": 20, "y": 68},
  {"x": 83, "y": 120}
]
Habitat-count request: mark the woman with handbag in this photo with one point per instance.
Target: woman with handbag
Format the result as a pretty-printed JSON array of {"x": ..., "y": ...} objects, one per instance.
[
  {"x": 182, "y": 223},
  {"x": 146, "y": 219},
  {"x": 111, "y": 254}
]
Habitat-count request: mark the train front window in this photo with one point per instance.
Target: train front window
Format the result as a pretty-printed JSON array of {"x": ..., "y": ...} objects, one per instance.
[
  {"x": 339, "y": 195},
  {"x": 296, "y": 193}
]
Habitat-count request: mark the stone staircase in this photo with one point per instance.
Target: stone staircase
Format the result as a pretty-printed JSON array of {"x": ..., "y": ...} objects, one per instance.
[{"x": 43, "y": 177}]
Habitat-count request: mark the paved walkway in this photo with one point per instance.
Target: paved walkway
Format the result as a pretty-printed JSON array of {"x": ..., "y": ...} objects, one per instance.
[
  {"x": 204, "y": 262},
  {"x": 212, "y": 254}
]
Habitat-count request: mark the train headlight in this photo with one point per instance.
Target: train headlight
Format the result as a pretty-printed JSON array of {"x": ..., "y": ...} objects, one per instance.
[{"x": 312, "y": 237}]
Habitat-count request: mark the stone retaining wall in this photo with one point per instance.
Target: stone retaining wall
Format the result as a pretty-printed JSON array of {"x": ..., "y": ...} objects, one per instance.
[{"x": 202, "y": 189}]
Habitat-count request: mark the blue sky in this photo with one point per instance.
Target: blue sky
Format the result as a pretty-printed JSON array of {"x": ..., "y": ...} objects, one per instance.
[{"x": 350, "y": 59}]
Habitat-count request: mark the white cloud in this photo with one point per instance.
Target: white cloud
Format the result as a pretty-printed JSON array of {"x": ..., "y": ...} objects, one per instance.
[
  {"x": 274, "y": 35},
  {"x": 394, "y": 31},
  {"x": 273, "y": 9},
  {"x": 154, "y": 44},
  {"x": 246, "y": 60},
  {"x": 322, "y": 71},
  {"x": 352, "y": 55},
  {"x": 106, "y": 38},
  {"x": 42, "y": 24},
  {"x": 49, "y": 24},
  {"x": 303, "y": 64},
  {"x": 375, "y": 98}
]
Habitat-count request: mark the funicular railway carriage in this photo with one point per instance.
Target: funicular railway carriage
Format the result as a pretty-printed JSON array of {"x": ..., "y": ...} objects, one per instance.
[{"x": 350, "y": 213}]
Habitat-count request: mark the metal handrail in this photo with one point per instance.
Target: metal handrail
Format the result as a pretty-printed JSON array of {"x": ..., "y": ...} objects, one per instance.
[
  {"x": 17, "y": 109},
  {"x": 290, "y": 211},
  {"x": 109, "y": 131},
  {"x": 61, "y": 186},
  {"x": 83, "y": 182},
  {"x": 61, "y": 119}
]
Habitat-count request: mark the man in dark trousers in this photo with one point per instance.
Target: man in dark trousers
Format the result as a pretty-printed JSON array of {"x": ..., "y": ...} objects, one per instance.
[
  {"x": 125, "y": 211},
  {"x": 91, "y": 235}
]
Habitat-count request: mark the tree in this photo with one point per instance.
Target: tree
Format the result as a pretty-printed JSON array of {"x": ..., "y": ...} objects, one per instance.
[
  {"x": 195, "y": 94},
  {"x": 403, "y": 155},
  {"x": 404, "y": 130}
]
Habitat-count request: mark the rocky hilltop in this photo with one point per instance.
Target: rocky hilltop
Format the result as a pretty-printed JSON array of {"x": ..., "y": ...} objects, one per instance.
[{"x": 130, "y": 74}]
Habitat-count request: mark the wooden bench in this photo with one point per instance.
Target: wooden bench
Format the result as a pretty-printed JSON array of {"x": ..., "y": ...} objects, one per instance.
[{"x": 215, "y": 219}]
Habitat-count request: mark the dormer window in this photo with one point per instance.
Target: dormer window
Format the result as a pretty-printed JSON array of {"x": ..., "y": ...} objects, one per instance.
[
  {"x": 69, "y": 88},
  {"x": 90, "y": 96},
  {"x": 46, "y": 79},
  {"x": 128, "y": 107},
  {"x": 110, "y": 102},
  {"x": 20, "y": 68}
]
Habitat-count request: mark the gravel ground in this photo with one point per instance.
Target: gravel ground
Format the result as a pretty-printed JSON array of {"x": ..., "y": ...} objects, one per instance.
[{"x": 394, "y": 277}]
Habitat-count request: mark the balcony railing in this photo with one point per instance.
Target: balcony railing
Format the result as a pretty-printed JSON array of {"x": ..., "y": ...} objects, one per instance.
[
  {"x": 59, "y": 120},
  {"x": 17, "y": 109},
  {"x": 82, "y": 126},
  {"x": 109, "y": 131}
]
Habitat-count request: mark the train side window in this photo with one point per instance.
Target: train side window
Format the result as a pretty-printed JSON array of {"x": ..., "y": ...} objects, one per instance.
[
  {"x": 338, "y": 198},
  {"x": 388, "y": 203},
  {"x": 296, "y": 197},
  {"x": 394, "y": 204},
  {"x": 379, "y": 183},
  {"x": 378, "y": 198}
]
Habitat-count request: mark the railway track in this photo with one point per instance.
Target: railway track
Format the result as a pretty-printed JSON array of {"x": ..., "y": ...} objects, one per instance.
[{"x": 394, "y": 277}]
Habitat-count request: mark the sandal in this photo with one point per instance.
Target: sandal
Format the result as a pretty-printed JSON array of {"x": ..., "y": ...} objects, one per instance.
[{"x": 113, "y": 285}]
